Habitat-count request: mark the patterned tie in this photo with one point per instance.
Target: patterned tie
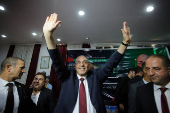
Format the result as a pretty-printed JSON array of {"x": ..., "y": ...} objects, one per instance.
[
  {"x": 82, "y": 98},
  {"x": 10, "y": 99},
  {"x": 164, "y": 103}
]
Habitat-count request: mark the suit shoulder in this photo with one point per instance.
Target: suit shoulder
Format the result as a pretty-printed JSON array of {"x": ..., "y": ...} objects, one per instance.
[
  {"x": 146, "y": 86},
  {"x": 136, "y": 84},
  {"x": 47, "y": 90},
  {"x": 17, "y": 83},
  {"x": 20, "y": 85}
]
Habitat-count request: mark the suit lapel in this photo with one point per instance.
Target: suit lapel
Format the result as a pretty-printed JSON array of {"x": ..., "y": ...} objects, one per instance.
[
  {"x": 89, "y": 81},
  {"x": 40, "y": 97},
  {"x": 141, "y": 83},
  {"x": 19, "y": 89},
  {"x": 76, "y": 85},
  {"x": 152, "y": 98},
  {"x": 21, "y": 97}
]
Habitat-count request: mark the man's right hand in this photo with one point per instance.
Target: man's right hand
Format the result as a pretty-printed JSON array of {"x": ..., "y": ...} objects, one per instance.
[
  {"x": 50, "y": 25},
  {"x": 121, "y": 107}
]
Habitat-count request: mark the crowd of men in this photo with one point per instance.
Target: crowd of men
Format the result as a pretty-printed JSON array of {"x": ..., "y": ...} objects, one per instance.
[{"x": 143, "y": 90}]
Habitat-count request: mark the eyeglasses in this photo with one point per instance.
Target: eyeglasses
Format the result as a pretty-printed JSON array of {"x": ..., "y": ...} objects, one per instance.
[
  {"x": 140, "y": 62},
  {"x": 79, "y": 62}
]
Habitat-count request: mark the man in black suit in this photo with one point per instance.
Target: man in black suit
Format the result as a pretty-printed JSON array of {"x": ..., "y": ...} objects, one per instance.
[
  {"x": 132, "y": 90},
  {"x": 138, "y": 76},
  {"x": 41, "y": 96},
  {"x": 149, "y": 97},
  {"x": 12, "y": 68},
  {"x": 81, "y": 83},
  {"x": 121, "y": 97}
]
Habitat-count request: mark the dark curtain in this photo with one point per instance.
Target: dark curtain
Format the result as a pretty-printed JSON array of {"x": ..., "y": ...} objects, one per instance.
[
  {"x": 11, "y": 51},
  {"x": 54, "y": 79},
  {"x": 86, "y": 46},
  {"x": 33, "y": 64}
]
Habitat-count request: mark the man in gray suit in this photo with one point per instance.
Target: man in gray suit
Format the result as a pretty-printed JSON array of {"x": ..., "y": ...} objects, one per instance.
[{"x": 133, "y": 88}]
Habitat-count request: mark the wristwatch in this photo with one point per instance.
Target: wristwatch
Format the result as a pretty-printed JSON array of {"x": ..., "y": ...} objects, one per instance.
[{"x": 125, "y": 44}]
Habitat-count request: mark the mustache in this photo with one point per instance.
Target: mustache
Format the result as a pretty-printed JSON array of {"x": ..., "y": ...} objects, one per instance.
[
  {"x": 153, "y": 75},
  {"x": 81, "y": 67}
]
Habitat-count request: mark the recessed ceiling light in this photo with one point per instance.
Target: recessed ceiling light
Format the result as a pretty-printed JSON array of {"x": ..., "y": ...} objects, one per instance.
[
  {"x": 150, "y": 8},
  {"x": 153, "y": 45},
  {"x": 87, "y": 38},
  {"x": 4, "y": 36},
  {"x": 58, "y": 39},
  {"x": 2, "y": 8},
  {"x": 34, "y": 34},
  {"x": 131, "y": 35},
  {"x": 81, "y": 12}
]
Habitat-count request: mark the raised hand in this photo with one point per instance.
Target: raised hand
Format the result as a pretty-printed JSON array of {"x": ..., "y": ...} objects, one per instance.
[
  {"x": 126, "y": 33},
  {"x": 51, "y": 24}
]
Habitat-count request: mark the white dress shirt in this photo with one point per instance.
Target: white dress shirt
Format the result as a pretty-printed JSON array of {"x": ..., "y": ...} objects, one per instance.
[
  {"x": 35, "y": 97},
  {"x": 90, "y": 107},
  {"x": 145, "y": 82},
  {"x": 4, "y": 94},
  {"x": 157, "y": 95}
]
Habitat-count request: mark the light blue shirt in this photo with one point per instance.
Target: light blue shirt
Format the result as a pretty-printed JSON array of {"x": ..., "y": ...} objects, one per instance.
[{"x": 49, "y": 86}]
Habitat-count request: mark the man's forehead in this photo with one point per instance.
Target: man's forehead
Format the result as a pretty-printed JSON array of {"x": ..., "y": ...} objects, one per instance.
[
  {"x": 39, "y": 76},
  {"x": 81, "y": 58},
  {"x": 142, "y": 57},
  {"x": 153, "y": 60},
  {"x": 20, "y": 62}
]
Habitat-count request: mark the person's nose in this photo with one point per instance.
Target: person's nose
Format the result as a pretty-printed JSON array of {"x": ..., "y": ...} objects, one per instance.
[
  {"x": 23, "y": 71},
  {"x": 37, "y": 80},
  {"x": 151, "y": 72},
  {"x": 82, "y": 64}
]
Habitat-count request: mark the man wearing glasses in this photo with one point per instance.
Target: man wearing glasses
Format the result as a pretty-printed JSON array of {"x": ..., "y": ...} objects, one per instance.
[
  {"x": 141, "y": 59},
  {"x": 81, "y": 88}
]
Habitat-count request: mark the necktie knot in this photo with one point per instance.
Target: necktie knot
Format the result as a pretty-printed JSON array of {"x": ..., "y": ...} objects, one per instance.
[
  {"x": 9, "y": 84},
  {"x": 163, "y": 90},
  {"x": 82, "y": 79}
]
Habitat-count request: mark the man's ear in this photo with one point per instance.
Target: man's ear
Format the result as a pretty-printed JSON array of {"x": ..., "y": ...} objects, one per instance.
[
  {"x": 131, "y": 72},
  {"x": 141, "y": 72},
  {"x": 168, "y": 69},
  {"x": 8, "y": 67}
]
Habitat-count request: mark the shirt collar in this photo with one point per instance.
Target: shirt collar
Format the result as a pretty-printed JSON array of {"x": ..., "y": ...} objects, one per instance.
[
  {"x": 145, "y": 82},
  {"x": 4, "y": 82},
  {"x": 81, "y": 77},
  {"x": 156, "y": 87}
]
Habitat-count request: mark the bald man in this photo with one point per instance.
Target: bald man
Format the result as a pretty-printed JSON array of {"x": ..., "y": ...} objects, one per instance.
[
  {"x": 141, "y": 59},
  {"x": 81, "y": 88}
]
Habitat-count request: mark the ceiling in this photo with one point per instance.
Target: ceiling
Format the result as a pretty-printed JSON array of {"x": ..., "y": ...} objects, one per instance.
[{"x": 101, "y": 23}]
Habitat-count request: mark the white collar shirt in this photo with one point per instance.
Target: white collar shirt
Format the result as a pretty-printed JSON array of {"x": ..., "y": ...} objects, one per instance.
[
  {"x": 157, "y": 95},
  {"x": 4, "y": 94},
  {"x": 90, "y": 107},
  {"x": 35, "y": 97},
  {"x": 145, "y": 82}
]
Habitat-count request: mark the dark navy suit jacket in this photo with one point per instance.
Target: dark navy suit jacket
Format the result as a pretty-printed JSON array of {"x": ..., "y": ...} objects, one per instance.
[
  {"x": 145, "y": 101},
  {"x": 70, "y": 83},
  {"x": 132, "y": 95}
]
